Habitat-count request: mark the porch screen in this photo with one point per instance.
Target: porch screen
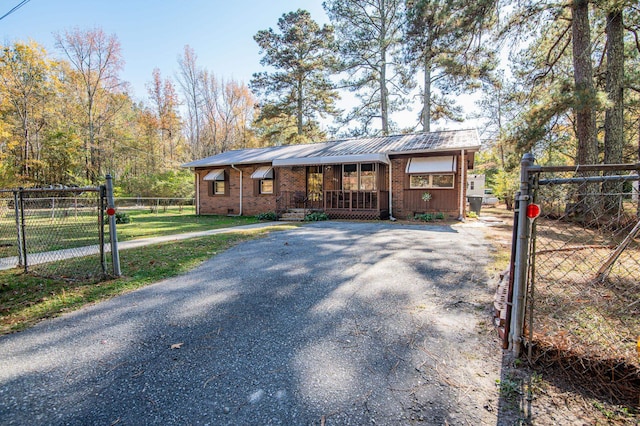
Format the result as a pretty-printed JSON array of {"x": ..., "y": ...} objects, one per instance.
[{"x": 359, "y": 177}]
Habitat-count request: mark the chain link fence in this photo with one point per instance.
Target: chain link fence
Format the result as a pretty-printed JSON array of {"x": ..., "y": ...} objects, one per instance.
[
  {"x": 56, "y": 233},
  {"x": 583, "y": 296},
  {"x": 8, "y": 230},
  {"x": 156, "y": 204}
]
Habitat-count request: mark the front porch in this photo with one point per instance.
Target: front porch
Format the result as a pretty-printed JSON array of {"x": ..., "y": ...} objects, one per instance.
[{"x": 337, "y": 204}]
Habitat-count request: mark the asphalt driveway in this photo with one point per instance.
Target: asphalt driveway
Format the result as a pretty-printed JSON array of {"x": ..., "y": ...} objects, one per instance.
[{"x": 332, "y": 323}]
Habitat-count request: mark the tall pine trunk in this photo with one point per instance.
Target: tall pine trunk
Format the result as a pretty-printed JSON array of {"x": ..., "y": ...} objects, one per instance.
[
  {"x": 426, "y": 97},
  {"x": 584, "y": 88},
  {"x": 614, "y": 117},
  {"x": 300, "y": 108},
  {"x": 585, "y": 117}
]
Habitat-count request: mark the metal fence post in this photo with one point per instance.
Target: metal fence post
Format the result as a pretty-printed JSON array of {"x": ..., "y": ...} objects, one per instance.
[
  {"x": 16, "y": 205},
  {"x": 115, "y": 256},
  {"x": 521, "y": 263},
  {"x": 101, "y": 206}
]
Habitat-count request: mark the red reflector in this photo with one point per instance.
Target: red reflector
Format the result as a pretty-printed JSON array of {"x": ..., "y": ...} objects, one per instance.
[
  {"x": 111, "y": 211},
  {"x": 533, "y": 211}
]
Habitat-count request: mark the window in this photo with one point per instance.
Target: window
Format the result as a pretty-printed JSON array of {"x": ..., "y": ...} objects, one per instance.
[
  {"x": 218, "y": 187},
  {"x": 217, "y": 181},
  {"x": 359, "y": 177},
  {"x": 314, "y": 183},
  {"x": 263, "y": 178},
  {"x": 266, "y": 186},
  {"x": 367, "y": 177},
  {"x": 444, "y": 181},
  {"x": 350, "y": 177}
]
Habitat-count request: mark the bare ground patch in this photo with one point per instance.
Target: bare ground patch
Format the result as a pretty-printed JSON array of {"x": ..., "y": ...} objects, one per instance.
[{"x": 560, "y": 385}]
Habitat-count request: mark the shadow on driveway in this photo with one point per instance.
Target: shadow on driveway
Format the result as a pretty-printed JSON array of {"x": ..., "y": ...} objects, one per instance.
[{"x": 334, "y": 323}]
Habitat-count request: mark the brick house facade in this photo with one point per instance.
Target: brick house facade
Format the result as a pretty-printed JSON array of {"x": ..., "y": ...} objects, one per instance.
[{"x": 370, "y": 178}]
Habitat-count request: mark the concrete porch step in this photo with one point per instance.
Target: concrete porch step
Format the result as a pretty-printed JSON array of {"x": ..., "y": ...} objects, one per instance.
[{"x": 293, "y": 216}]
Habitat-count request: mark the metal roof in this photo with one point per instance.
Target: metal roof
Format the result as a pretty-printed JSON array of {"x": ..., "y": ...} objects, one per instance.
[{"x": 451, "y": 140}]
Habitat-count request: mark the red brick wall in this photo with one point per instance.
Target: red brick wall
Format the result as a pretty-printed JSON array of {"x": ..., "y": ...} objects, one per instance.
[
  {"x": 407, "y": 201},
  {"x": 294, "y": 179},
  {"x": 398, "y": 166},
  {"x": 252, "y": 202}
]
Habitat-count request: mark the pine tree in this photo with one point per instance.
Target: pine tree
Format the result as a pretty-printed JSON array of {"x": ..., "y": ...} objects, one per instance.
[
  {"x": 445, "y": 42},
  {"x": 369, "y": 34},
  {"x": 303, "y": 57}
]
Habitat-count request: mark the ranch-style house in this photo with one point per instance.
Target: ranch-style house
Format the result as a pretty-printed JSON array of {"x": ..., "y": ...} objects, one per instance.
[{"x": 366, "y": 178}]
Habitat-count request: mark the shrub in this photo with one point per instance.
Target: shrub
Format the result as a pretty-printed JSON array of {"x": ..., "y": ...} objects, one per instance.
[
  {"x": 316, "y": 216},
  {"x": 439, "y": 216},
  {"x": 122, "y": 217},
  {"x": 472, "y": 215},
  {"x": 426, "y": 217},
  {"x": 270, "y": 216}
]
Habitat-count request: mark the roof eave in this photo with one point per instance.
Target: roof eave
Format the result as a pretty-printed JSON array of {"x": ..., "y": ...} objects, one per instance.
[
  {"x": 431, "y": 150},
  {"x": 332, "y": 159}
]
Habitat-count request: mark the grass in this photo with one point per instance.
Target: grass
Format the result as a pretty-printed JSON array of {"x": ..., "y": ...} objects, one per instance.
[
  {"x": 26, "y": 299},
  {"x": 510, "y": 388},
  {"x": 145, "y": 223},
  {"x": 47, "y": 232}
]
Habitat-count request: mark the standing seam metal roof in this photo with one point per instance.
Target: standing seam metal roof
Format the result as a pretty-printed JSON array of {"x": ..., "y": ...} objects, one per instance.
[{"x": 398, "y": 144}]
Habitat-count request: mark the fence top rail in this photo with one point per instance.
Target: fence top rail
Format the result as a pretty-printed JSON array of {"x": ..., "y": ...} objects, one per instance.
[
  {"x": 593, "y": 179},
  {"x": 77, "y": 190},
  {"x": 154, "y": 198},
  {"x": 586, "y": 168}
]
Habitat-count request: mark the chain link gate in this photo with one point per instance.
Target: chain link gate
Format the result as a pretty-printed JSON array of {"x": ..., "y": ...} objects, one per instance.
[
  {"x": 57, "y": 233},
  {"x": 576, "y": 287}
]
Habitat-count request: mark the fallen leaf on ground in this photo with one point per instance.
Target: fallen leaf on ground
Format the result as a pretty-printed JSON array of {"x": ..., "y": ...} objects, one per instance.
[{"x": 177, "y": 345}]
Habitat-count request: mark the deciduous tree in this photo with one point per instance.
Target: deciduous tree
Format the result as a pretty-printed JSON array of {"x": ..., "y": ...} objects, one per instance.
[
  {"x": 189, "y": 78},
  {"x": 165, "y": 102},
  {"x": 26, "y": 88},
  {"x": 97, "y": 60}
]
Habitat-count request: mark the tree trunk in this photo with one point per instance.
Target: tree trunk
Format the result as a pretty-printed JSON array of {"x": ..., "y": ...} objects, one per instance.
[
  {"x": 426, "y": 97},
  {"x": 299, "y": 107},
  {"x": 384, "y": 97},
  {"x": 584, "y": 94},
  {"x": 614, "y": 117},
  {"x": 384, "y": 94},
  {"x": 25, "y": 155},
  {"x": 584, "y": 88}
]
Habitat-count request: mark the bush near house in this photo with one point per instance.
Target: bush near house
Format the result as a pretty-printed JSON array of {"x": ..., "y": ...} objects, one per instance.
[
  {"x": 267, "y": 216},
  {"x": 316, "y": 216},
  {"x": 428, "y": 217}
]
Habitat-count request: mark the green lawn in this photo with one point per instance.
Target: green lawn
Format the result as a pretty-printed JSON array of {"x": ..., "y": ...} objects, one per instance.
[
  {"x": 26, "y": 299},
  {"x": 47, "y": 232},
  {"x": 145, "y": 223}
]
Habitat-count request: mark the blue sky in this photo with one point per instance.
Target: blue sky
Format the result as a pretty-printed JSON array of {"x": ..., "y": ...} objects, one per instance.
[{"x": 154, "y": 33}]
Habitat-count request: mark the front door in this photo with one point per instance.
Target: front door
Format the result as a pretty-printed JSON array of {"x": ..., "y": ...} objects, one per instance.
[{"x": 314, "y": 187}]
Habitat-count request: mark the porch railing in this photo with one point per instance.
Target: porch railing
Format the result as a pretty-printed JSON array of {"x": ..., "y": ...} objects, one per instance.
[
  {"x": 334, "y": 200},
  {"x": 356, "y": 200},
  {"x": 291, "y": 200}
]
